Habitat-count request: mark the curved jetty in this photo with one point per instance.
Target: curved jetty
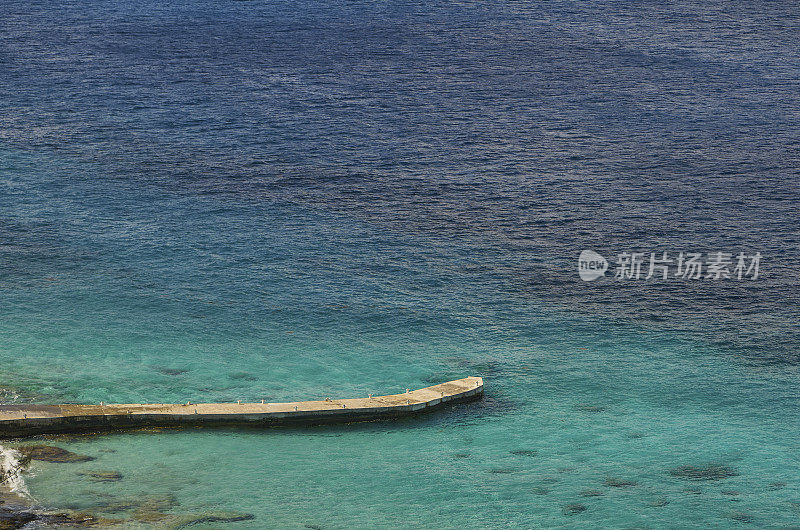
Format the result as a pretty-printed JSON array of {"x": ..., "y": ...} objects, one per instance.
[{"x": 27, "y": 420}]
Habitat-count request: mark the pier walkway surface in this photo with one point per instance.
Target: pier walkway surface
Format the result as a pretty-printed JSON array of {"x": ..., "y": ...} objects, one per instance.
[{"x": 28, "y": 419}]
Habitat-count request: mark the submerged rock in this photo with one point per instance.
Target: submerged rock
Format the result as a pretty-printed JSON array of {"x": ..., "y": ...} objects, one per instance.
[
  {"x": 619, "y": 483},
  {"x": 151, "y": 509},
  {"x": 524, "y": 452},
  {"x": 775, "y": 486},
  {"x": 242, "y": 376},
  {"x": 23, "y": 517},
  {"x": 592, "y": 493},
  {"x": 574, "y": 508},
  {"x": 173, "y": 371},
  {"x": 706, "y": 472},
  {"x": 147, "y": 504},
  {"x": 659, "y": 502},
  {"x": 461, "y": 455},
  {"x": 438, "y": 378},
  {"x": 502, "y": 470},
  {"x": 586, "y": 407},
  {"x": 175, "y": 522},
  {"x": 740, "y": 517},
  {"x": 49, "y": 453},
  {"x": 117, "y": 505},
  {"x": 103, "y": 476},
  {"x": 149, "y": 516}
]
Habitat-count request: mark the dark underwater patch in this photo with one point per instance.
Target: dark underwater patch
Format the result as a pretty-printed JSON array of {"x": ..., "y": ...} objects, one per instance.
[
  {"x": 502, "y": 470},
  {"x": 524, "y": 452},
  {"x": 172, "y": 371},
  {"x": 619, "y": 483},
  {"x": 704, "y": 472},
  {"x": 740, "y": 517},
  {"x": 242, "y": 376},
  {"x": 573, "y": 508},
  {"x": 103, "y": 476},
  {"x": 592, "y": 493},
  {"x": 50, "y": 453},
  {"x": 587, "y": 407}
]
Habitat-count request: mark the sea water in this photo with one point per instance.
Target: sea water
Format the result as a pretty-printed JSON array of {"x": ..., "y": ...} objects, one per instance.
[{"x": 214, "y": 201}]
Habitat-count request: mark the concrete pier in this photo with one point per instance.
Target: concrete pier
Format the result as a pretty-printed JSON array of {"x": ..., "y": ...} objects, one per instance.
[{"x": 28, "y": 420}]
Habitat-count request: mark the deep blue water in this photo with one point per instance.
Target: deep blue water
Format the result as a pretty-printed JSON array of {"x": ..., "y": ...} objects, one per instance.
[{"x": 284, "y": 200}]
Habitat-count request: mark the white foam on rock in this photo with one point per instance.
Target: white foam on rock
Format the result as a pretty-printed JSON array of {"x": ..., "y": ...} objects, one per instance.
[{"x": 11, "y": 469}]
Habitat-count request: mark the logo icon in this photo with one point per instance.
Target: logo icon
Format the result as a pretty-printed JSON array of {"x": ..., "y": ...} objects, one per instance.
[{"x": 591, "y": 265}]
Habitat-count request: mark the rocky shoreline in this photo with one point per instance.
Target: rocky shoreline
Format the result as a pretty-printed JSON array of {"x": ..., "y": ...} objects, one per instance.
[{"x": 18, "y": 510}]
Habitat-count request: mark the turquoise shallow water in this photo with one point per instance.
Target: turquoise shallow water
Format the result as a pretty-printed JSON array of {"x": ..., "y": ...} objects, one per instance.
[
  {"x": 213, "y": 201},
  {"x": 261, "y": 302}
]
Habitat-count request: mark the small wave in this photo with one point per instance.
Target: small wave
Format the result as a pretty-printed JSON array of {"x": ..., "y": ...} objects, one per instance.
[
  {"x": 8, "y": 396},
  {"x": 11, "y": 468}
]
